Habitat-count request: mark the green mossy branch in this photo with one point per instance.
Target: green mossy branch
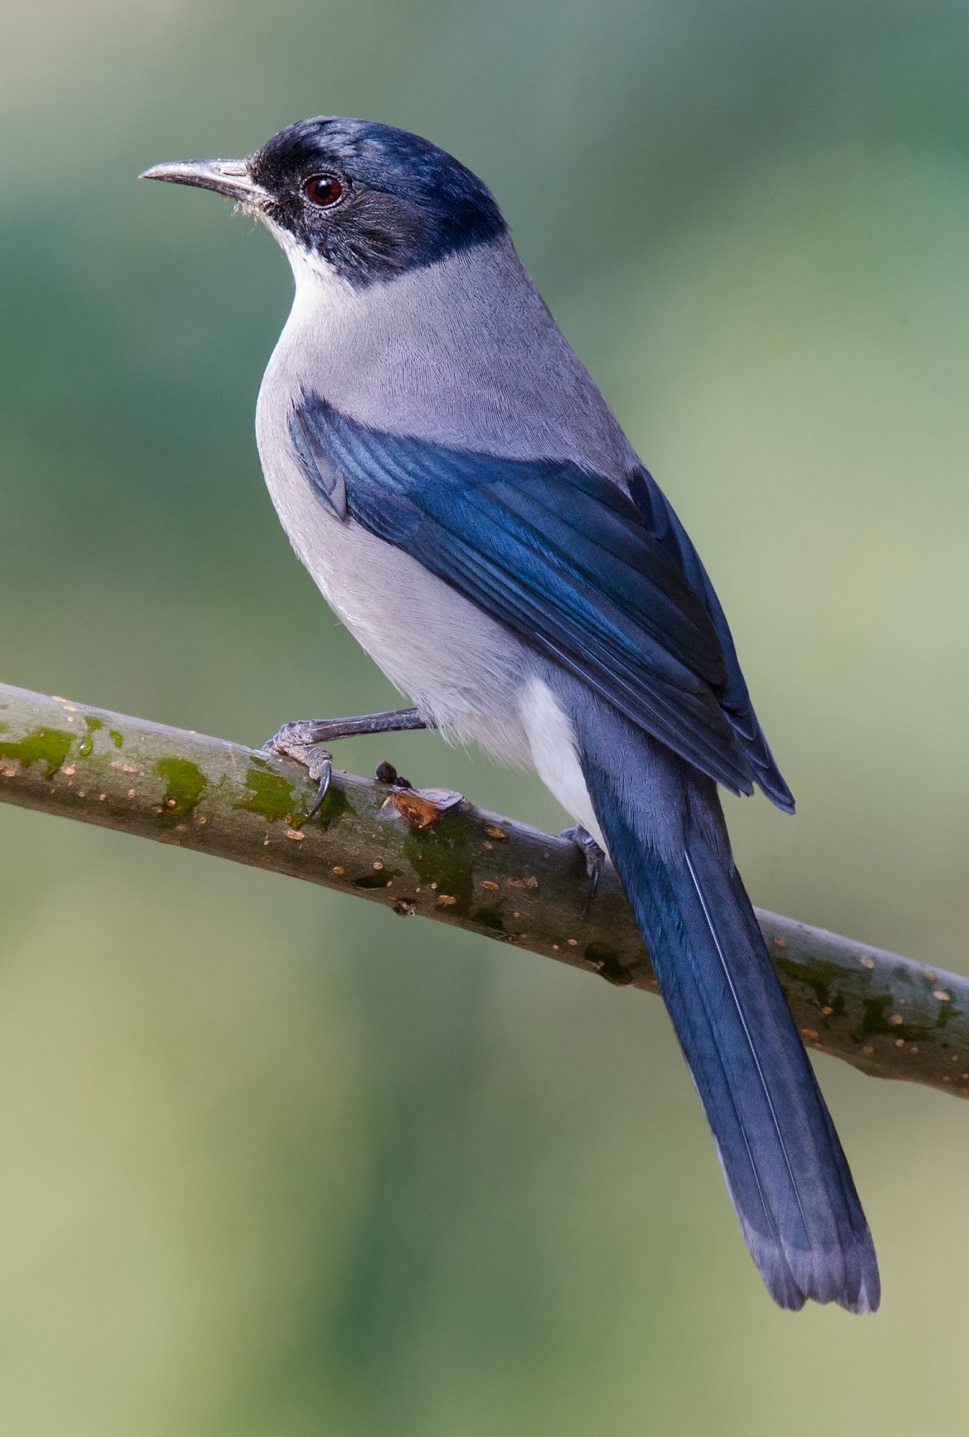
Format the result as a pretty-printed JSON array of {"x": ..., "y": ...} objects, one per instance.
[{"x": 885, "y": 1014}]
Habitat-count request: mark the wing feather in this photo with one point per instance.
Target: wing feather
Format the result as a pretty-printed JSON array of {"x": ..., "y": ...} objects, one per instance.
[{"x": 601, "y": 579}]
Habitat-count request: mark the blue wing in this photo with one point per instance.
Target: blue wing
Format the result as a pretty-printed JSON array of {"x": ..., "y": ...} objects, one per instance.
[{"x": 603, "y": 581}]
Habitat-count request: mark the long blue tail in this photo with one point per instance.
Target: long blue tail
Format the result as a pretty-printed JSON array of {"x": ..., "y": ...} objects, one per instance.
[{"x": 784, "y": 1165}]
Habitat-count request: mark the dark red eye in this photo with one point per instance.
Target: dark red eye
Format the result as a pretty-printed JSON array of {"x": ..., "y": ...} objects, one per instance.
[{"x": 323, "y": 190}]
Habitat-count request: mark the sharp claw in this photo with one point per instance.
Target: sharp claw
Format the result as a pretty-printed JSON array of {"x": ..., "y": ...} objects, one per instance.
[
  {"x": 290, "y": 742},
  {"x": 595, "y": 873},
  {"x": 326, "y": 773},
  {"x": 594, "y": 857}
]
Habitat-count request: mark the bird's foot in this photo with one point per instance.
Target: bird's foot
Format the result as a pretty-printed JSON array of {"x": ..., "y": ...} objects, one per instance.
[
  {"x": 594, "y": 856},
  {"x": 300, "y": 740}
]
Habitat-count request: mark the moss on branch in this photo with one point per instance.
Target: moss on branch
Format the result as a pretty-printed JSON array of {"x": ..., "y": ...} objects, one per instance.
[{"x": 888, "y": 1015}]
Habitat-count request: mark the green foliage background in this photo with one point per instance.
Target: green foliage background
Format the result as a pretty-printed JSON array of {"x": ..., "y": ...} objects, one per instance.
[{"x": 274, "y": 1163}]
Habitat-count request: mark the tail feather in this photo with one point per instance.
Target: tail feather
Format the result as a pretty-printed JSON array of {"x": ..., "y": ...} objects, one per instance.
[{"x": 783, "y": 1163}]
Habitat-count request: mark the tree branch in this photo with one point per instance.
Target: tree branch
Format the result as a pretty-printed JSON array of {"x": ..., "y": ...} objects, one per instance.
[{"x": 885, "y": 1014}]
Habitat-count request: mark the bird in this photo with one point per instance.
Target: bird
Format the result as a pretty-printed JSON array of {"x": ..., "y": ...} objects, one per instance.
[{"x": 468, "y": 505}]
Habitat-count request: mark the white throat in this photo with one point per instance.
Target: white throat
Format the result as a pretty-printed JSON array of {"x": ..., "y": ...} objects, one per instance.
[{"x": 320, "y": 288}]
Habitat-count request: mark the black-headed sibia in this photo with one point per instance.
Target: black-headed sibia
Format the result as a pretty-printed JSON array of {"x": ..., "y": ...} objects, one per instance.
[{"x": 466, "y": 502}]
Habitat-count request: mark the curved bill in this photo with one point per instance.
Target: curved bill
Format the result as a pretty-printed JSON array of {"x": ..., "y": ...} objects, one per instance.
[{"x": 226, "y": 177}]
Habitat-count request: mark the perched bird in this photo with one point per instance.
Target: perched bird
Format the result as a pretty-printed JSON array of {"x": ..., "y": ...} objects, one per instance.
[{"x": 466, "y": 502}]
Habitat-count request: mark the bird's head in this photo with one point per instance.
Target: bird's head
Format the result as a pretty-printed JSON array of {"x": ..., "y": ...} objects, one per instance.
[{"x": 368, "y": 201}]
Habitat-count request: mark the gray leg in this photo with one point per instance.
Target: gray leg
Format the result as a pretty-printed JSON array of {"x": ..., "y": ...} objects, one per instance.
[
  {"x": 299, "y": 740},
  {"x": 594, "y": 856}
]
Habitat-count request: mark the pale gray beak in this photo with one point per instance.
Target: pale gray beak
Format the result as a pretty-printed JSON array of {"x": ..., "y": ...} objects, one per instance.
[{"x": 226, "y": 177}]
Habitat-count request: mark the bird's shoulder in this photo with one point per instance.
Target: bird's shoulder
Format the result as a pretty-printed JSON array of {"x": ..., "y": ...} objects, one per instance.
[{"x": 463, "y": 353}]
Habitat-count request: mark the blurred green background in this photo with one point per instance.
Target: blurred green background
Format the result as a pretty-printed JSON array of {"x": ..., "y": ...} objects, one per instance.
[{"x": 271, "y": 1161}]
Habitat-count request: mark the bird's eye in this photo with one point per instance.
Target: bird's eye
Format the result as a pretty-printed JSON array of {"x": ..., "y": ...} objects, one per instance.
[{"x": 323, "y": 191}]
